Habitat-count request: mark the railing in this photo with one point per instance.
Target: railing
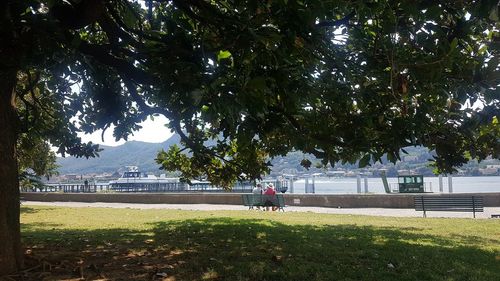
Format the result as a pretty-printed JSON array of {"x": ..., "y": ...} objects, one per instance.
[
  {"x": 70, "y": 187},
  {"x": 42, "y": 188},
  {"x": 148, "y": 187},
  {"x": 208, "y": 187},
  {"x": 244, "y": 187},
  {"x": 83, "y": 188}
]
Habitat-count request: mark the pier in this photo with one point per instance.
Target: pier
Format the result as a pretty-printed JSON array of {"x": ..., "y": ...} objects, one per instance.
[{"x": 241, "y": 187}]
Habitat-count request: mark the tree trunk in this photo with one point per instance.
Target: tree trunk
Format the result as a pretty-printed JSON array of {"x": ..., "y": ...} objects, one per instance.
[{"x": 11, "y": 258}]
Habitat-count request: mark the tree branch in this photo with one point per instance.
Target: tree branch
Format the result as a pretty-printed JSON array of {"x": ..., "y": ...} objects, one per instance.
[
  {"x": 335, "y": 23},
  {"x": 114, "y": 32},
  {"x": 120, "y": 24},
  {"x": 123, "y": 67}
]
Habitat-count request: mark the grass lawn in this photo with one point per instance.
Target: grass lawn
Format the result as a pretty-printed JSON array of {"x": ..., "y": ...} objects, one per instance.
[{"x": 128, "y": 244}]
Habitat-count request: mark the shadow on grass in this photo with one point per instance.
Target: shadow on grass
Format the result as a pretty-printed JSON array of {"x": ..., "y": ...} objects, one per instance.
[
  {"x": 30, "y": 210},
  {"x": 238, "y": 249}
]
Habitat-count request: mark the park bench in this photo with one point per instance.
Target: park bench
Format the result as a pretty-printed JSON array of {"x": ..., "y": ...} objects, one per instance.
[
  {"x": 263, "y": 200},
  {"x": 449, "y": 204}
]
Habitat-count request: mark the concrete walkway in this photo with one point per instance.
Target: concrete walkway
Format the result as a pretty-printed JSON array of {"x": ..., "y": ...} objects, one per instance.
[{"x": 211, "y": 207}]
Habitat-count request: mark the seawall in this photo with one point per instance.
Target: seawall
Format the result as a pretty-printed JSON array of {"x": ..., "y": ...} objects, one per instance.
[{"x": 310, "y": 200}]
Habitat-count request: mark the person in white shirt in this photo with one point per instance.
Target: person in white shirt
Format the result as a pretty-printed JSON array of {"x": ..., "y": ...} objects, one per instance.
[{"x": 257, "y": 189}]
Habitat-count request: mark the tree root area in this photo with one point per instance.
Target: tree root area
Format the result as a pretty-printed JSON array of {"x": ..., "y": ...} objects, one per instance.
[{"x": 96, "y": 264}]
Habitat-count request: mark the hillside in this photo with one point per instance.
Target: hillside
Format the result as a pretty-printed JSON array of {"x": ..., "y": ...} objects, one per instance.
[
  {"x": 131, "y": 153},
  {"x": 142, "y": 154}
]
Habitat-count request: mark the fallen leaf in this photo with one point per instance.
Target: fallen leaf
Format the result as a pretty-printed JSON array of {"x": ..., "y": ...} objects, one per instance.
[{"x": 277, "y": 259}]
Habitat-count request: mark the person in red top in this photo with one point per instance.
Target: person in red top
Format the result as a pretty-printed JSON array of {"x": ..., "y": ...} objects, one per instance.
[{"x": 270, "y": 191}]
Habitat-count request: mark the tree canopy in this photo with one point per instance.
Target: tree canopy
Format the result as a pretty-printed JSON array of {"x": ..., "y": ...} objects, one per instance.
[{"x": 341, "y": 80}]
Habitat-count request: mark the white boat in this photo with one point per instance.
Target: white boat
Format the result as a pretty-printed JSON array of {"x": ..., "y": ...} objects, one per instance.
[{"x": 135, "y": 181}]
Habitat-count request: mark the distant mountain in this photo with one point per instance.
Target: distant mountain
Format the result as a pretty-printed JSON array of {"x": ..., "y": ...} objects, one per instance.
[
  {"x": 142, "y": 154},
  {"x": 112, "y": 158}
]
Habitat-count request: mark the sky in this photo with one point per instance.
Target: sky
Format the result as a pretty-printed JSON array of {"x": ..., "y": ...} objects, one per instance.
[{"x": 152, "y": 131}]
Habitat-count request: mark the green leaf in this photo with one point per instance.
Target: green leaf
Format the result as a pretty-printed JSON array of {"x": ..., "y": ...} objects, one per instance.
[
  {"x": 363, "y": 162},
  {"x": 391, "y": 157},
  {"x": 223, "y": 54},
  {"x": 482, "y": 50},
  {"x": 495, "y": 13},
  {"x": 453, "y": 44},
  {"x": 197, "y": 96}
]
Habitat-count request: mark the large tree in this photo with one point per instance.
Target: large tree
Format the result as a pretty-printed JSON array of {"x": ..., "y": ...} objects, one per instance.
[{"x": 342, "y": 80}]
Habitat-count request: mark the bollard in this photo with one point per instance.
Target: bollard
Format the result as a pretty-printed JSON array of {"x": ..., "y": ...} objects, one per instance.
[{"x": 310, "y": 186}]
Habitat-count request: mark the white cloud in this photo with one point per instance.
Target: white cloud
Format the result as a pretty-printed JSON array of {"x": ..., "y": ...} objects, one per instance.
[{"x": 152, "y": 131}]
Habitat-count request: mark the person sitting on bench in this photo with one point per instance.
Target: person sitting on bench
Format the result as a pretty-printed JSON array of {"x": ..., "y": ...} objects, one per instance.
[
  {"x": 257, "y": 189},
  {"x": 270, "y": 191}
]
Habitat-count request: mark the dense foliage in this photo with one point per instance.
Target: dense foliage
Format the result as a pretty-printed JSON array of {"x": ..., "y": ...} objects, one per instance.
[
  {"x": 36, "y": 160},
  {"x": 35, "y": 156},
  {"x": 341, "y": 80}
]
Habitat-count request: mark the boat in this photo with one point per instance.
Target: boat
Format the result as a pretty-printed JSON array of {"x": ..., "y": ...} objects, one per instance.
[{"x": 135, "y": 181}]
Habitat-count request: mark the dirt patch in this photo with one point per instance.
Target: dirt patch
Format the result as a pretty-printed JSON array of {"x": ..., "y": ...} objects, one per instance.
[{"x": 105, "y": 263}]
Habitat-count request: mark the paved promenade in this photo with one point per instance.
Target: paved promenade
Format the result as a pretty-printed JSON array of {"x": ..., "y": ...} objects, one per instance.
[{"x": 212, "y": 207}]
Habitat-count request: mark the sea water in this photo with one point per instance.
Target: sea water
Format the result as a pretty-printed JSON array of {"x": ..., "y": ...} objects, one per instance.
[{"x": 375, "y": 185}]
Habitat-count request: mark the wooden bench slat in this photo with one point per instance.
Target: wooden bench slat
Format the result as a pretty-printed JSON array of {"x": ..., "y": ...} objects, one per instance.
[
  {"x": 450, "y": 208},
  {"x": 452, "y": 201},
  {"x": 447, "y": 206},
  {"x": 449, "y": 203}
]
